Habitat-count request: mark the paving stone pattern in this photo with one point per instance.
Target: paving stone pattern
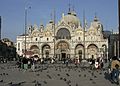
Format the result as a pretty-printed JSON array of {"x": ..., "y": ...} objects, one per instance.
[{"x": 53, "y": 75}]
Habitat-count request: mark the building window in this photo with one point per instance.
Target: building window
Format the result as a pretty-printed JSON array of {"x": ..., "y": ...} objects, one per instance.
[
  {"x": 36, "y": 39},
  {"x": 79, "y": 38},
  {"x": 18, "y": 46},
  {"x": 47, "y": 39}
]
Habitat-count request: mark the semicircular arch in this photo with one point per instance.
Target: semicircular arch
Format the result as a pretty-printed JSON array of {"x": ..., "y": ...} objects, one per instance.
[
  {"x": 63, "y": 33},
  {"x": 62, "y": 44},
  {"x": 46, "y": 49},
  {"x": 92, "y": 50},
  {"x": 79, "y": 51},
  {"x": 35, "y": 49}
]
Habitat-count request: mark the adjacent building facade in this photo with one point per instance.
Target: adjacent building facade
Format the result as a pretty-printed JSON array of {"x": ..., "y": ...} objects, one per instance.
[
  {"x": 7, "y": 50},
  {"x": 65, "y": 39},
  {"x": 114, "y": 45}
]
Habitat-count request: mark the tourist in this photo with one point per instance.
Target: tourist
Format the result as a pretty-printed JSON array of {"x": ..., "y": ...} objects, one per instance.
[
  {"x": 33, "y": 64},
  {"x": 67, "y": 61},
  {"x": 115, "y": 65},
  {"x": 92, "y": 63}
]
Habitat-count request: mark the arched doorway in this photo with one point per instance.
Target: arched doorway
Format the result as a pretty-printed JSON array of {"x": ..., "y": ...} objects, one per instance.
[
  {"x": 35, "y": 50},
  {"x": 62, "y": 50},
  {"x": 79, "y": 51},
  {"x": 104, "y": 52},
  {"x": 92, "y": 51},
  {"x": 46, "y": 51}
]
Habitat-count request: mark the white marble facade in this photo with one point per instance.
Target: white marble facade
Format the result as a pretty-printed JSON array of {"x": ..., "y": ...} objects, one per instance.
[{"x": 67, "y": 38}]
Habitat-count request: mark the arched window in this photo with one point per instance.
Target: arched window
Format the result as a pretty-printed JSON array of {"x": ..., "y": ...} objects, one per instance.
[
  {"x": 47, "y": 39},
  {"x": 18, "y": 46},
  {"x": 80, "y": 52},
  {"x": 36, "y": 39},
  {"x": 63, "y": 33}
]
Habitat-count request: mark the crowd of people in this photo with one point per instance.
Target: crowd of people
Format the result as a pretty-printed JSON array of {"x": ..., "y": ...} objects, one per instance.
[
  {"x": 26, "y": 63},
  {"x": 95, "y": 64}
]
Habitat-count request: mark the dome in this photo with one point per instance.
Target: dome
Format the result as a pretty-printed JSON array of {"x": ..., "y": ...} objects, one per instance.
[{"x": 71, "y": 18}]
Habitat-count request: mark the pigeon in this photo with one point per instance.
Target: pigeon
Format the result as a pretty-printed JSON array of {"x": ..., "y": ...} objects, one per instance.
[
  {"x": 61, "y": 78},
  {"x": 3, "y": 73},
  {"x": 10, "y": 83},
  {"x": 76, "y": 84},
  {"x": 64, "y": 79},
  {"x": 92, "y": 73},
  {"x": 45, "y": 82},
  {"x": 49, "y": 76},
  {"x": 38, "y": 84},
  {"x": 100, "y": 73},
  {"x": 85, "y": 75},
  {"x": 37, "y": 74},
  {"x": 80, "y": 75},
  {"x": 1, "y": 80},
  {"x": 95, "y": 76},
  {"x": 58, "y": 74},
  {"x": 47, "y": 71},
  {"x": 94, "y": 82},
  {"x": 91, "y": 79},
  {"x": 89, "y": 71},
  {"x": 67, "y": 74},
  {"x": 34, "y": 81}
]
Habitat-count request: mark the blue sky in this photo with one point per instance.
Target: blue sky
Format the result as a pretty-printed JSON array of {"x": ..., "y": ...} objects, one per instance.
[{"x": 12, "y": 12}]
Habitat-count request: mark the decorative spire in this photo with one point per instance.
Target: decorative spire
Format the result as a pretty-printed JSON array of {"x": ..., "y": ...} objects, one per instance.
[
  {"x": 41, "y": 27},
  {"x": 63, "y": 15},
  {"x": 35, "y": 26},
  {"x": 69, "y": 9},
  {"x": 51, "y": 15},
  {"x": 73, "y": 8},
  {"x": 0, "y": 27},
  {"x": 41, "y": 24},
  {"x": 73, "y": 11},
  {"x": 112, "y": 31},
  {"x": 95, "y": 18}
]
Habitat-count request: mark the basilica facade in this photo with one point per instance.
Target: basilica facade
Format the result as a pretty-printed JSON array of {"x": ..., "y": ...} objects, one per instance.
[{"x": 65, "y": 39}]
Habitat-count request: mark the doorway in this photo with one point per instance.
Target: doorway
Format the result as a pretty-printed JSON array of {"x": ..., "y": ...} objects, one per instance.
[
  {"x": 63, "y": 56},
  {"x": 92, "y": 56}
]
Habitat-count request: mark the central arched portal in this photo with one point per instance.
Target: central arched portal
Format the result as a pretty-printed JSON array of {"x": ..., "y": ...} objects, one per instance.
[
  {"x": 34, "y": 50},
  {"x": 46, "y": 51},
  {"x": 92, "y": 51},
  {"x": 62, "y": 51},
  {"x": 79, "y": 51}
]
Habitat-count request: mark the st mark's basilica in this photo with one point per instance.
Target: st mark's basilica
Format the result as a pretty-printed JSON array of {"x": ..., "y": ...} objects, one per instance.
[{"x": 65, "y": 39}]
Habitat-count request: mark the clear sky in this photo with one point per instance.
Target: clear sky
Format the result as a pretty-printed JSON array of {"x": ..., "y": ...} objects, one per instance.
[{"x": 13, "y": 13}]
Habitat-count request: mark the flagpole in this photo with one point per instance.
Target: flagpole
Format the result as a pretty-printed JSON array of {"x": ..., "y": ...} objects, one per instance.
[
  {"x": 0, "y": 27},
  {"x": 25, "y": 29},
  {"x": 84, "y": 32},
  {"x": 119, "y": 24},
  {"x": 54, "y": 31},
  {"x": 26, "y": 14}
]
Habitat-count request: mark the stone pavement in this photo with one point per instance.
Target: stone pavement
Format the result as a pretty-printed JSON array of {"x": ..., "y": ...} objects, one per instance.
[{"x": 53, "y": 75}]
